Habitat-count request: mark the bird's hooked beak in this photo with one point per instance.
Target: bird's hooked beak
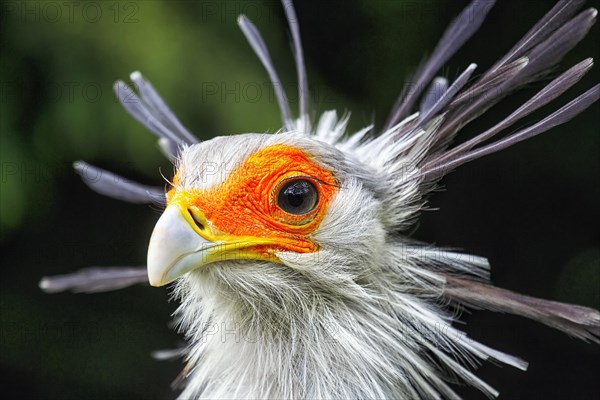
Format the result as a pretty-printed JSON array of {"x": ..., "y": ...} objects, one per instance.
[
  {"x": 182, "y": 242},
  {"x": 175, "y": 248}
]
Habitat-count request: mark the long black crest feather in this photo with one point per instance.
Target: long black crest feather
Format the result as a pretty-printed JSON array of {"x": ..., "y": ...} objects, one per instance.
[
  {"x": 260, "y": 48},
  {"x": 151, "y": 111},
  {"x": 292, "y": 19},
  {"x": 117, "y": 187},
  {"x": 580, "y": 322},
  {"x": 95, "y": 280},
  {"x": 556, "y": 17},
  {"x": 459, "y": 31},
  {"x": 560, "y": 116},
  {"x": 541, "y": 58},
  {"x": 554, "y": 89}
]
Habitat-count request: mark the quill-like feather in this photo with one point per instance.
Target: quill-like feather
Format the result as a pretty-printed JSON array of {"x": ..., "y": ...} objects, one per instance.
[
  {"x": 574, "y": 320},
  {"x": 117, "y": 187},
  {"x": 95, "y": 280}
]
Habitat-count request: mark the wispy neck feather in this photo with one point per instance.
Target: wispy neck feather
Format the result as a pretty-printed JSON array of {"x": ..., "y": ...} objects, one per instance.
[{"x": 260, "y": 330}]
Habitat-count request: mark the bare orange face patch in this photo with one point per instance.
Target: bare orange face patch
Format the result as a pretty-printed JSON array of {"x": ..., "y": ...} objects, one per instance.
[{"x": 246, "y": 204}]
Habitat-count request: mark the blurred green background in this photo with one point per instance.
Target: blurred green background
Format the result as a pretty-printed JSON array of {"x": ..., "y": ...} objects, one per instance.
[{"x": 532, "y": 210}]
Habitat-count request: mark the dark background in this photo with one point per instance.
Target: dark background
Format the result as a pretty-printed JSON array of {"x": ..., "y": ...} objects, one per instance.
[{"x": 532, "y": 209}]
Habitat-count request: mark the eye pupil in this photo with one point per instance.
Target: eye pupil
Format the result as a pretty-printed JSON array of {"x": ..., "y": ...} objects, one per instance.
[
  {"x": 295, "y": 199},
  {"x": 298, "y": 197}
]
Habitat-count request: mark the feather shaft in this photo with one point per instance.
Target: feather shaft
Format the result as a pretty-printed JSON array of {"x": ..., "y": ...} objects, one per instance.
[
  {"x": 95, "y": 280},
  {"x": 117, "y": 187},
  {"x": 581, "y": 322}
]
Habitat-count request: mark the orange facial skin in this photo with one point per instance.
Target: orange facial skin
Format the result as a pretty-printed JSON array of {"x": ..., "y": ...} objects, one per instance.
[{"x": 245, "y": 206}]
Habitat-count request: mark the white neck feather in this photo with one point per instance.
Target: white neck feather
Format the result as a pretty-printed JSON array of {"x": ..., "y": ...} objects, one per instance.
[{"x": 374, "y": 338}]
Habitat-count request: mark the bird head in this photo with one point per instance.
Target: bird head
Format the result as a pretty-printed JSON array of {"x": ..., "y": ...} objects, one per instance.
[{"x": 285, "y": 211}]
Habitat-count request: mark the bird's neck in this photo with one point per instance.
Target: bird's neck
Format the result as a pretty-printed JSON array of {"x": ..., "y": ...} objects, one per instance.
[
  {"x": 290, "y": 345},
  {"x": 268, "y": 358},
  {"x": 367, "y": 336}
]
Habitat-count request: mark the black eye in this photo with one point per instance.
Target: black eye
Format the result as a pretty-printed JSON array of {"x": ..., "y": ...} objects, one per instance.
[{"x": 297, "y": 197}]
